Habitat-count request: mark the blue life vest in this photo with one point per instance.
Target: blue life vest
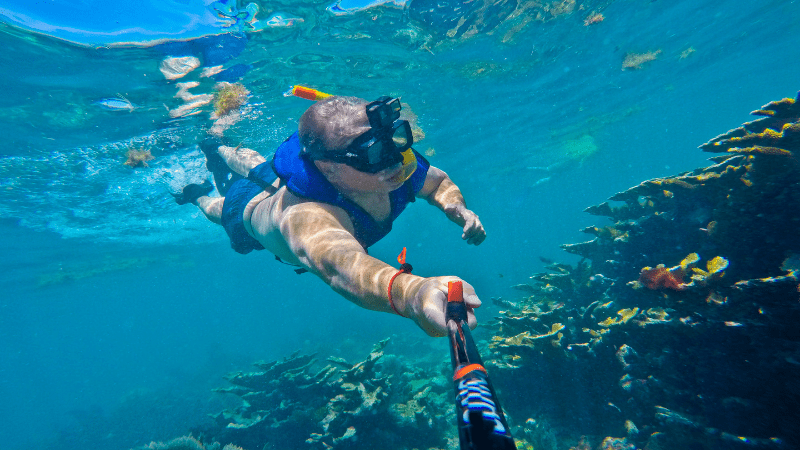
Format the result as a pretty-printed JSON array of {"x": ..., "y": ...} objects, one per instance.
[{"x": 304, "y": 179}]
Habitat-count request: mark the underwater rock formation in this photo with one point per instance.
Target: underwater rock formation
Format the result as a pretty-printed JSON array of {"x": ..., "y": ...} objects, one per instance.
[
  {"x": 287, "y": 404},
  {"x": 668, "y": 350}
]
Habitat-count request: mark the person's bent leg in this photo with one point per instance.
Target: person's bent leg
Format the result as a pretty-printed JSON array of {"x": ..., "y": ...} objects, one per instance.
[
  {"x": 211, "y": 207},
  {"x": 240, "y": 160}
]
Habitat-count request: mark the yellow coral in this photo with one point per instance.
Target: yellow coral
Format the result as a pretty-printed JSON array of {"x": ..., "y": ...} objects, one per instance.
[
  {"x": 715, "y": 269},
  {"x": 690, "y": 260},
  {"x": 763, "y": 150},
  {"x": 557, "y": 341},
  {"x": 627, "y": 314},
  {"x": 717, "y": 265},
  {"x": 657, "y": 313},
  {"x": 624, "y": 316},
  {"x": 653, "y": 316}
]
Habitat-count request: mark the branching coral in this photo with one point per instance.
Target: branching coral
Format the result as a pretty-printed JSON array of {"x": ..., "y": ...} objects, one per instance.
[
  {"x": 660, "y": 277},
  {"x": 624, "y": 316},
  {"x": 703, "y": 340},
  {"x": 187, "y": 443},
  {"x": 715, "y": 270},
  {"x": 342, "y": 402}
]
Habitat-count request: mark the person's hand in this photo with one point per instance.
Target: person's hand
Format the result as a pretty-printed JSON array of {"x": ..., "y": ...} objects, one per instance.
[
  {"x": 473, "y": 228},
  {"x": 430, "y": 301}
]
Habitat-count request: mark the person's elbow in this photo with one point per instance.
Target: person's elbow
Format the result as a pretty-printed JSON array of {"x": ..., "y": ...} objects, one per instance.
[{"x": 433, "y": 181}]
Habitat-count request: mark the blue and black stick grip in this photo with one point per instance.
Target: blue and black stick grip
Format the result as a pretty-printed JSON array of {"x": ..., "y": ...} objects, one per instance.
[{"x": 481, "y": 422}]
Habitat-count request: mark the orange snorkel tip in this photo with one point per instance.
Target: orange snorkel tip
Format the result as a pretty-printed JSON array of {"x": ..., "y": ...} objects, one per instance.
[{"x": 306, "y": 93}]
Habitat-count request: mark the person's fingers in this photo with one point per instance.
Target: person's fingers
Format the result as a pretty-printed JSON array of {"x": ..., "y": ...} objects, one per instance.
[
  {"x": 473, "y": 231},
  {"x": 434, "y": 306},
  {"x": 471, "y": 301},
  {"x": 472, "y": 321},
  {"x": 434, "y": 312},
  {"x": 470, "y": 297},
  {"x": 478, "y": 238},
  {"x": 475, "y": 234}
]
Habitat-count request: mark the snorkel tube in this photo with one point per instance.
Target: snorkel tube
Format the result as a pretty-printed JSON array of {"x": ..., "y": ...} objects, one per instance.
[
  {"x": 409, "y": 159},
  {"x": 481, "y": 422}
]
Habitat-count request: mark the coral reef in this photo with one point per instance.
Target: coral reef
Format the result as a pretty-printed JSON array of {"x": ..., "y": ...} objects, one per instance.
[
  {"x": 635, "y": 60},
  {"x": 229, "y": 97},
  {"x": 621, "y": 344},
  {"x": 593, "y": 19},
  {"x": 412, "y": 118},
  {"x": 138, "y": 158},
  {"x": 187, "y": 443},
  {"x": 687, "y": 53},
  {"x": 287, "y": 404}
]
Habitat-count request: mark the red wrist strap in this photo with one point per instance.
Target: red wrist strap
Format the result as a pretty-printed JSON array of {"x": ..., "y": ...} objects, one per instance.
[{"x": 404, "y": 268}]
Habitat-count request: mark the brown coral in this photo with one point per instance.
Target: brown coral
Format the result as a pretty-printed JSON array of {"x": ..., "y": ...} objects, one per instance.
[
  {"x": 593, "y": 19},
  {"x": 229, "y": 97},
  {"x": 636, "y": 60},
  {"x": 138, "y": 158},
  {"x": 660, "y": 277}
]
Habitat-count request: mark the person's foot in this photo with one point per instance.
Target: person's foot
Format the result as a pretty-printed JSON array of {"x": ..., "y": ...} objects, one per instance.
[
  {"x": 223, "y": 176},
  {"x": 209, "y": 147},
  {"x": 192, "y": 192}
]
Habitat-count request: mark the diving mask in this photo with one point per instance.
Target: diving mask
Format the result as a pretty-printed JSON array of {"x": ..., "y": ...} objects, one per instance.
[{"x": 387, "y": 142}]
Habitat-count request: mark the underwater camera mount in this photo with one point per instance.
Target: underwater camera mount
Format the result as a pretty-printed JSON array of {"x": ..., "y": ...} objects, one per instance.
[{"x": 481, "y": 422}]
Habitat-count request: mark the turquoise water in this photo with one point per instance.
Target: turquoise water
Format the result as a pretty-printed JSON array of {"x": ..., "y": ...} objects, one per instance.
[{"x": 111, "y": 291}]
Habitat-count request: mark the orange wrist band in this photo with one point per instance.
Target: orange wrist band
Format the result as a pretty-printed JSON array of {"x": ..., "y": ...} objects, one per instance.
[{"x": 404, "y": 268}]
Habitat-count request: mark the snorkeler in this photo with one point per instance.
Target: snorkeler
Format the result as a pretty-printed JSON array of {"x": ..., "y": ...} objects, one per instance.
[{"x": 330, "y": 191}]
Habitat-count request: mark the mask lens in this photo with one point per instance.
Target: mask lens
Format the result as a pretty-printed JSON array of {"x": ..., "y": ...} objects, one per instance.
[
  {"x": 395, "y": 107},
  {"x": 375, "y": 151},
  {"x": 401, "y": 137}
]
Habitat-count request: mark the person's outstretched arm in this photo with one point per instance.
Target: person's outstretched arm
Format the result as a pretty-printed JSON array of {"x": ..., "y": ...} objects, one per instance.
[
  {"x": 321, "y": 236},
  {"x": 440, "y": 191}
]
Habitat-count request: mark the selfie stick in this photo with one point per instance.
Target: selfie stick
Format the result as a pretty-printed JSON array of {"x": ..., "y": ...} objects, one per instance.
[{"x": 481, "y": 422}]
